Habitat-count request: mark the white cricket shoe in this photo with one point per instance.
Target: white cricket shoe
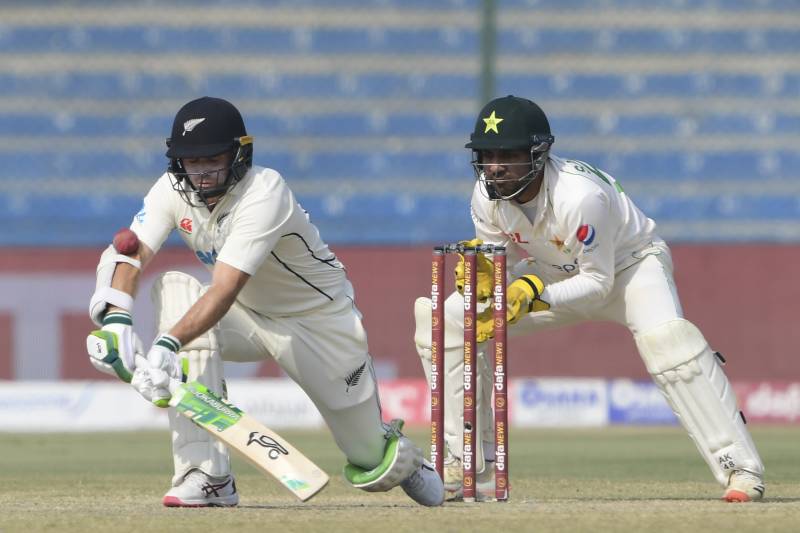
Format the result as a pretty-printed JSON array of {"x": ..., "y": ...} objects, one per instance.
[
  {"x": 744, "y": 486},
  {"x": 424, "y": 486},
  {"x": 198, "y": 489},
  {"x": 454, "y": 476}
]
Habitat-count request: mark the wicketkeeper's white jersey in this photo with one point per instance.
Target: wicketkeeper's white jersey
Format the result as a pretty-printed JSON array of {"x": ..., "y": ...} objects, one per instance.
[
  {"x": 259, "y": 228},
  {"x": 584, "y": 230}
]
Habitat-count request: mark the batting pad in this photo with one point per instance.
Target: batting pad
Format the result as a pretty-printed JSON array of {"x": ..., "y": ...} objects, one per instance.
[
  {"x": 691, "y": 378},
  {"x": 454, "y": 383},
  {"x": 173, "y": 293}
]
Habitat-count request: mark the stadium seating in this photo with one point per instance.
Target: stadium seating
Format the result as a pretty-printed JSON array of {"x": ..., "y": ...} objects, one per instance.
[{"x": 366, "y": 116}]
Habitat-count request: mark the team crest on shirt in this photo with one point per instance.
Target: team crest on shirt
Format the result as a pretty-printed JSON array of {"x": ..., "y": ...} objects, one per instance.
[
  {"x": 207, "y": 258},
  {"x": 557, "y": 242},
  {"x": 586, "y": 234},
  {"x": 186, "y": 225}
]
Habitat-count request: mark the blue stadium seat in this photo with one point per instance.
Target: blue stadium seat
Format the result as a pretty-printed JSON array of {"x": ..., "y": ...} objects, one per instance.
[
  {"x": 212, "y": 40},
  {"x": 787, "y": 124},
  {"x": 407, "y": 40},
  {"x": 94, "y": 85},
  {"x": 101, "y": 164},
  {"x": 452, "y": 86},
  {"x": 714, "y": 84},
  {"x": 338, "y": 125},
  {"x": 385, "y": 218},
  {"x": 725, "y": 209},
  {"x": 568, "y": 85},
  {"x": 665, "y": 125},
  {"x": 782, "y": 40},
  {"x": 420, "y": 124},
  {"x": 634, "y": 41},
  {"x": 791, "y": 85},
  {"x": 675, "y": 6},
  {"x": 125, "y": 122},
  {"x": 31, "y": 124},
  {"x": 567, "y": 126},
  {"x": 678, "y": 165},
  {"x": 524, "y": 40},
  {"x": 536, "y": 86},
  {"x": 380, "y": 165}
]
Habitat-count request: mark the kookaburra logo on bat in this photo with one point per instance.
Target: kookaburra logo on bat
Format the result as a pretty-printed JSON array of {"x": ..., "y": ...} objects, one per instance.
[{"x": 269, "y": 443}]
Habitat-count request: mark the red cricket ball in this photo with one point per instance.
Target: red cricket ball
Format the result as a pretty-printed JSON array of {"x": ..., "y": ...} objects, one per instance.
[{"x": 126, "y": 242}]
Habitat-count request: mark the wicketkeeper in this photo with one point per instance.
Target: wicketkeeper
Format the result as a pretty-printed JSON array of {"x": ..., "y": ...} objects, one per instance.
[
  {"x": 277, "y": 291},
  {"x": 583, "y": 252}
]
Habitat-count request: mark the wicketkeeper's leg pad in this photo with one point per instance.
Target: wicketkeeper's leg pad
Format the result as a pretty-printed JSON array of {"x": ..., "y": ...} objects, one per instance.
[
  {"x": 173, "y": 293},
  {"x": 401, "y": 459},
  {"x": 454, "y": 382},
  {"x": 691, "y": 378}
]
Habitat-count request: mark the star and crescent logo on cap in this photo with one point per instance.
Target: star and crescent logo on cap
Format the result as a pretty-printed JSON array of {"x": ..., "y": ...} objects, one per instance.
[
  {"x": 189, "y": 125},
  {"x": 491, "y": 123}
]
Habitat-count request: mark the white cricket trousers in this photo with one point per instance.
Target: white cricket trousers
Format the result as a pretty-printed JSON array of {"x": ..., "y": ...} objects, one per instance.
[{"x": 325, "y": 352}]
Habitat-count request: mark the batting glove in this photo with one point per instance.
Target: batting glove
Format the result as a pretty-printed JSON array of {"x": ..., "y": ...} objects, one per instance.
[
  {"x": 157, "y": 375},
  {"x": 113, "y": 348},
  {"x": 522, "y": 297}
]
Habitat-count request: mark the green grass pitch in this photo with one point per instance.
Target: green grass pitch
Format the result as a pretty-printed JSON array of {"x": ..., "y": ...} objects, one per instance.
[{"x": 611, "y": 479}]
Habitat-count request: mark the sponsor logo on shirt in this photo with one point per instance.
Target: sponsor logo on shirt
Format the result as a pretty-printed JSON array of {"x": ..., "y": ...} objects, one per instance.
[
  {"x": 517, "y": 238},
  {"x": 186, "y": 225},
  {"x": 140, "y": 215},
  {"x": 557, "y": 242},
  {"x": 569, "y": 268},
  {"x": 208, "y": 258},
  {"x": 586, "y": 234}
]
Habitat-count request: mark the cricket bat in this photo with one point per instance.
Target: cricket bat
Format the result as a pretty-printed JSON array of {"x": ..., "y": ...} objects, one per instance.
[{"x": 267, "y": 450}]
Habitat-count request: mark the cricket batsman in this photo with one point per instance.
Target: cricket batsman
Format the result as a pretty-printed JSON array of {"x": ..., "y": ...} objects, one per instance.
[
  {"x": 582, "y": 252},
  {"x": 277, "y": 291}
]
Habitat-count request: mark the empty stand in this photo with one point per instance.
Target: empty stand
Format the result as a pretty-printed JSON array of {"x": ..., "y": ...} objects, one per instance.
[{"x": 694, "y": 111}]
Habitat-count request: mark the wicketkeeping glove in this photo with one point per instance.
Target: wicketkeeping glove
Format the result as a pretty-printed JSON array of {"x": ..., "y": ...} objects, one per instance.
[
  {"x": 113, "y": 348},
  {"x": 485, "y": 273},
  {"x": 522, "y": 297},
  {"x": 158, "y": 374}
]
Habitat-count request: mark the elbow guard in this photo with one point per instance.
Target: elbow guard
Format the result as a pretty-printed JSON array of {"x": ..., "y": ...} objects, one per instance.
[{"x": 104, "y": 294}]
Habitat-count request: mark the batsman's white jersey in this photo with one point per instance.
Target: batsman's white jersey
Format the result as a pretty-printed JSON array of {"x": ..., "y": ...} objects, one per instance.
[
  {"x": 297, "y": 308},
  {"x": 259, "y": 228}
]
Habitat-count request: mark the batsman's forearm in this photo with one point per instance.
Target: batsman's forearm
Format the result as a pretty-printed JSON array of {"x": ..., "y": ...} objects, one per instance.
[{"x": 202, "y": 316}]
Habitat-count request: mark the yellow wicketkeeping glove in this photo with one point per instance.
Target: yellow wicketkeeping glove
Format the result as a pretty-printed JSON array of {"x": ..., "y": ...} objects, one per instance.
[
  {"x": 484, "y": 277},
  {"x": 522, "y": 297}
]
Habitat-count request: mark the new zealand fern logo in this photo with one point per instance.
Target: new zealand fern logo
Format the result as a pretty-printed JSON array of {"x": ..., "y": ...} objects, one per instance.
[
  {"x": 352, "y": 379},
  {"x": 189, "y": 125}
]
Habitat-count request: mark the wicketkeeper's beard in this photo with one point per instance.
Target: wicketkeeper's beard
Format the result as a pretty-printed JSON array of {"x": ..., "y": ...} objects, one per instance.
[{"x": 507, "y": 187}]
